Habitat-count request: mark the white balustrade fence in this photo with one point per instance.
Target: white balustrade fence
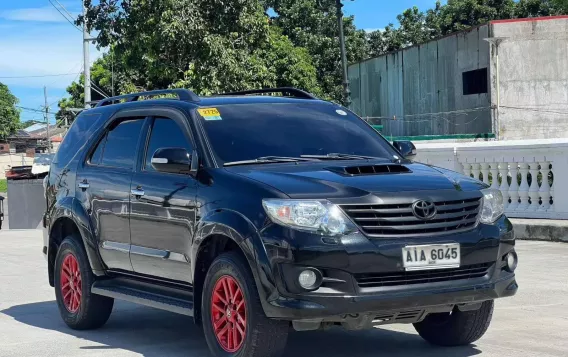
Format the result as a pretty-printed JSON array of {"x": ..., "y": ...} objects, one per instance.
[{"x": 531, "y": 174}]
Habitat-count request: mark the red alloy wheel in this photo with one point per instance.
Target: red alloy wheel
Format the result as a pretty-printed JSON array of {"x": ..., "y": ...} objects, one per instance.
[
  {"x": 71, "y": 283},
  {"x": 228, "y": 314}
]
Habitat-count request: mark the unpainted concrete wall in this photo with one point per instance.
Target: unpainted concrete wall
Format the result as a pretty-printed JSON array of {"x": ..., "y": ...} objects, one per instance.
[
  {"x": 533, "y": 78},
  {"x": 422, "y": 87},
  {"x": 26, "y": 203}
]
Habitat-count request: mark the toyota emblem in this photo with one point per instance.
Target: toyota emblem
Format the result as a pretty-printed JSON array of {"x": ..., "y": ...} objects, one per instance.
[{"x": 424, "y": 209}]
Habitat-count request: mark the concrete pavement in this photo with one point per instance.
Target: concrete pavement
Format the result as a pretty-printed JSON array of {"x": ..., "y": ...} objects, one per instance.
[{"x": 533, "y": 323}]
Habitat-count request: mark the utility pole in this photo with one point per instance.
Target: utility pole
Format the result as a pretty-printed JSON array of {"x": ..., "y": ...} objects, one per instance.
[
  {"x": 347, "y": 91},
  {"x": 86, "y": 65},
  {"x": 46, "y": 115}
]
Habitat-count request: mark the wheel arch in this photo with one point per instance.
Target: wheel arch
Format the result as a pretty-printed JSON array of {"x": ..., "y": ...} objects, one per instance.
[
  {"x": 68, "y": 218},
  {"x": 225, "y": 231}
]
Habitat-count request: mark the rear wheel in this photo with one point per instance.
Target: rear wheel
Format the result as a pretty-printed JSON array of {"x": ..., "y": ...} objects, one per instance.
[
  {"x": 79, "y": 308},
  {"x": 233, "y": 319},
  {"x": 456, "y": 328}
]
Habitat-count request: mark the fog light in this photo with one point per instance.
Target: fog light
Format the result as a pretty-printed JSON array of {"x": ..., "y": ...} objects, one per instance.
[
  {"x": 308, "y": 279},
  {"x": 512, "y": 261}
]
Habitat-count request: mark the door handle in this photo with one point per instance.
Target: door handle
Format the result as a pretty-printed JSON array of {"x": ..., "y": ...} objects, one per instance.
[
  {"x": 138, "y": 191},
  {"x": 83, "y": 185}
]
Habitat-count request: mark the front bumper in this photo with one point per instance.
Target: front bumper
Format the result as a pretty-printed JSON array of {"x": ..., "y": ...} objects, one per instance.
[
  {"x": 334, "y": 308},
  {"x": 341, "y": 297}
]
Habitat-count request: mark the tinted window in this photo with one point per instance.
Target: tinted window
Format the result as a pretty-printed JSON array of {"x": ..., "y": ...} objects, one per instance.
[
  {"x": 98, "y": 153},
  {"x": 248, "y": 131},
  {"x": 77, "y": 136},
  {"x": 166, "y": 133},
  {"x": 121, "y": 142}
]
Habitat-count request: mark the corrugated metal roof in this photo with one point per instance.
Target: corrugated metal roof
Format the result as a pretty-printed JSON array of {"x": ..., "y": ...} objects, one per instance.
[{"x": 35, "y": 127}]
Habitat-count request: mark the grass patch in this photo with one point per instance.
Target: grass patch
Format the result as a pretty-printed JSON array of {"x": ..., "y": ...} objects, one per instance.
[{"x": 3, "y": 185}]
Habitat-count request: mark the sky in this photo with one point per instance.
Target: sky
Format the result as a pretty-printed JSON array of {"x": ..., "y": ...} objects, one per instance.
[{"x": 36, "y": 40}]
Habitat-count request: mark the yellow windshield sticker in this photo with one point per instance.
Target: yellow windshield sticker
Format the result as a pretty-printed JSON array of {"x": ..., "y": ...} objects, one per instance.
[{"x": 210, "y": 113}]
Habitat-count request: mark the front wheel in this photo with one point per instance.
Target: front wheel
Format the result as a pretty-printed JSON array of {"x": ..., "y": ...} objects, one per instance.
[
  {"x": 233, "y": 319},
  {"x": 457, "y": 328},
  {"x": 79, "y": 308}
]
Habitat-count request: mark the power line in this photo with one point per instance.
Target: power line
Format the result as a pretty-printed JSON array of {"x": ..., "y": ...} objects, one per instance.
[
  {"x": 64, "y": 9},
  {"x": 41, "y": 75},
  {"x": 31, "y": 109},
  {"x": 65, "y": 17},
  {"x": 77, "y": 76}
]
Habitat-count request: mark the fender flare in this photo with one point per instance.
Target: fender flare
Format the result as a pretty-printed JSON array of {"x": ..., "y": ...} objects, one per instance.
[
  {"x": 70, "y": 208},
  {"x": 242, "y": 231}
]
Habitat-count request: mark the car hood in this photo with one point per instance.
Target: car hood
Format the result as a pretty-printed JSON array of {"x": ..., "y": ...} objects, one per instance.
[{"x": 341, "y": 179}]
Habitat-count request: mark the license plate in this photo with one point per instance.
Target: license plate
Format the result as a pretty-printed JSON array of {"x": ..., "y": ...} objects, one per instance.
[{"x": 434, "y": 256}]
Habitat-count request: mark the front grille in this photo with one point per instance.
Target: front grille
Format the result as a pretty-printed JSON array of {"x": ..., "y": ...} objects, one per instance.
[
  {"x": 465, "y": 272},
  {"x": 395, "y": 220}
]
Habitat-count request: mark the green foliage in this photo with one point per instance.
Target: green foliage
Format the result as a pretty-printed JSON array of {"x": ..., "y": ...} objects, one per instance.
[
  {"x": 312, "y": 24},
  {"x": 9, "y": 113},
  {"x": 3, "y": 185},
  {"x": 417, "y": 27},
  {"x": 218, "y": 45}
]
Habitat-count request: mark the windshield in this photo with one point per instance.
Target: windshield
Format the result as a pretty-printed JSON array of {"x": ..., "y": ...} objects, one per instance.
[{"x": 239, "y": 132}]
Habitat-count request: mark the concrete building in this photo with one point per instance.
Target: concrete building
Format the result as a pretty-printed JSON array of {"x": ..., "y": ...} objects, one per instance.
[{"x": 508, "y": 78}]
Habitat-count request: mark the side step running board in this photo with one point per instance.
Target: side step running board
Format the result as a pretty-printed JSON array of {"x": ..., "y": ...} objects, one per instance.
[{"x": 160, "y": 297}]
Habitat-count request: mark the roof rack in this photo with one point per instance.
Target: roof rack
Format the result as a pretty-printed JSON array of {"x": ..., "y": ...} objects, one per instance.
[
  {"x": 290, "y": 91},
  {"x": 183, "y": 94}
]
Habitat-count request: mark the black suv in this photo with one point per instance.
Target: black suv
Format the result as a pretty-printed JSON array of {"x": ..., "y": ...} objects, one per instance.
[{"x": 260, "y": 210}]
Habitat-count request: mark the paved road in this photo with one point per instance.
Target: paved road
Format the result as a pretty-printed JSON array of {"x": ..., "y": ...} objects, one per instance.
[{"x": 533, "y": 323}]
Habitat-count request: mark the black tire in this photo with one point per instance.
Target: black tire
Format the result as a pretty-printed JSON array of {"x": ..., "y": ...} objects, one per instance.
[
  {"x": 93, "y": 310},
  {"x": 458, "y": 328},
  {"x": 264, "y": 337}
]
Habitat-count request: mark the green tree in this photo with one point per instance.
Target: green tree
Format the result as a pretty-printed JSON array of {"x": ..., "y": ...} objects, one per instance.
[
  {"x": 108, "y": 74},
  {"x": 536, "y": 8},
  {"x": 9, "y": 113},
  {"x": 207, "y": 46},
  {"x": 312, "y": 24},
  {"x": 384, "y": 41}
]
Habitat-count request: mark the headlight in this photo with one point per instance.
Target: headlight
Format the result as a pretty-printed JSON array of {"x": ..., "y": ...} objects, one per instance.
[
  {"x": 493, "y": 206},
  {"x": 310, "y": 215}
]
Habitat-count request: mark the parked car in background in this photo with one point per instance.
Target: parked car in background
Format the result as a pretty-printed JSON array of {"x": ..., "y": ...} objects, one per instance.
[
  {"x": 19, "y": 172},
  {"x": 38, "y": 169},
  {"x": 41, "y": 164},
  {"x": 256, "y": 213}
]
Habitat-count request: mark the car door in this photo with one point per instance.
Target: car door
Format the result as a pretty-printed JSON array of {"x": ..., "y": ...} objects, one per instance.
[
  {"x": 103, "y": 181},
  {"x": 163, "y": 207}
]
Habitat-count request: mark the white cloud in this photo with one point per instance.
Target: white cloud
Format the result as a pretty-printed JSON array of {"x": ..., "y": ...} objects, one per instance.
[{"x": 37, "y": 14}]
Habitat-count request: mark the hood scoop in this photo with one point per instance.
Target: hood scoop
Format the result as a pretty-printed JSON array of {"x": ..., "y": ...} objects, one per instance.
[{"x": 370, "y": 170}]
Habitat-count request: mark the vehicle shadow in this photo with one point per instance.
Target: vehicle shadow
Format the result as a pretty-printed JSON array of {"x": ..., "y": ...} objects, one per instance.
[{"x": 156, "y": 333}]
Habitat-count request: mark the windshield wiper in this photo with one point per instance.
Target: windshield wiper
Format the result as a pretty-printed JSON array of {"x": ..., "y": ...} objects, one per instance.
[
  {"x": 339, "y": 156},
  {"x": 268, "y": 160}
]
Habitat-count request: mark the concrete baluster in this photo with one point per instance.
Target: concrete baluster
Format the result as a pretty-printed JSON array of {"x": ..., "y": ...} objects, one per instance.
[
  {"x": 475, "y": 170},
  {"x": 504, "y": 188},
  {"x": 534, "y": 189},
  {"x": 514, "y": 187},
  {"x": 524, "y": 187},
  {"x": 494, "y": 175},
  {"x": 467, "y": 169},
  {"x": 485, "y": 172},
  {"x": 545, "y": 189}
]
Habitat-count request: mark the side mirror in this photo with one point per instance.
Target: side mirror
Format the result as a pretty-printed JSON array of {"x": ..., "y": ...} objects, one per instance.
[
  {"x": 172, "y": 160},
  {"x": 406, "y": 149}
]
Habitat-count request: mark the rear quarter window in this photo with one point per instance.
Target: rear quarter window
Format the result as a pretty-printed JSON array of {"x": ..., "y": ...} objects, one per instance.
[{"x": 77, "y": 136}]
